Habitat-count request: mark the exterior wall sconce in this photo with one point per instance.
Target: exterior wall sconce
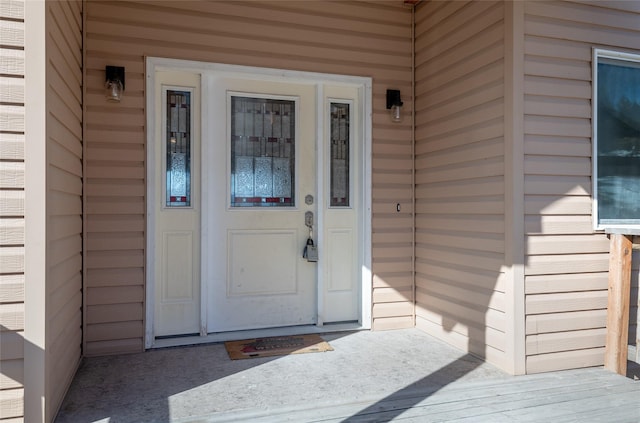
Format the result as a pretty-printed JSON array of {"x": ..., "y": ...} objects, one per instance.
[
  {"x": 394, "y": 103},
  {"x": 114, "y": 83}
]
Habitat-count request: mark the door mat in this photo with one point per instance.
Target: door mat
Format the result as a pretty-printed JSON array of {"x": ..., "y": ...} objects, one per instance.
[{"x": 277, "y": 345}]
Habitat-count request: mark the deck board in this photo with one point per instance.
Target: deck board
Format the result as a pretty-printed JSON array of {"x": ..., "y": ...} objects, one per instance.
[{"x": 572, "y": 396}]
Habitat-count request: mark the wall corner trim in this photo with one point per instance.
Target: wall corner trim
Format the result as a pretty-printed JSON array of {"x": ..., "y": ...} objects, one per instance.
[
  {"x": 514, "y": 185},
  {"x": 35, "y": 210}
]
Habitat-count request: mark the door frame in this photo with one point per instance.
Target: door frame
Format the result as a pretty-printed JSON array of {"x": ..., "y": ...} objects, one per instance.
[{"x": 205, "y": 70}]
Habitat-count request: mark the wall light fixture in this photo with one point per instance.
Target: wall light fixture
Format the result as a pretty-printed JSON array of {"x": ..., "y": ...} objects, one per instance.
[
  {"x": 394, "y": 103},
  {"x": 114, "y": 83}
]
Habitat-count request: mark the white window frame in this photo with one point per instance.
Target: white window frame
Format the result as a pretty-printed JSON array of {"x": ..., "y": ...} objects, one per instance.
[{"x": 621, "y": 56}]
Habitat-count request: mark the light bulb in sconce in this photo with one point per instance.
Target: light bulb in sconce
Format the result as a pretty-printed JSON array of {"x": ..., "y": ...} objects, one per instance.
[
  {"x": 394, "y": 105},
  {"x": 114, "y": 91},
  {"x": 114, "y": 83},
  {"x": 395, "y": 114}
]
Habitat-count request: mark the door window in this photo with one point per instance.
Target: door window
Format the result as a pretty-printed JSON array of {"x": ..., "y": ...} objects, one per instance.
[
  {"x": 262, "y": 152},
  {"x": 340, "y": 145},
  {"x": 178, "y": 149}
]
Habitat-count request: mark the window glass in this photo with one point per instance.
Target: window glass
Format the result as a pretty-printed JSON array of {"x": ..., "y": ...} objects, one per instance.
[
  {"x": 618, "y": 142},
  {"x": 178, "y": 148},
  {"x": 262, "y": 152},
  {"x": 340, "y": 144}
]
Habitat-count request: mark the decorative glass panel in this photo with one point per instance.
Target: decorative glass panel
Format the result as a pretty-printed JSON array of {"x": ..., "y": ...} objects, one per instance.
[
  {"x": 178, "y": 160},
  {"x": 262, "y": 152},
  {"x": 340, "y": 144}
]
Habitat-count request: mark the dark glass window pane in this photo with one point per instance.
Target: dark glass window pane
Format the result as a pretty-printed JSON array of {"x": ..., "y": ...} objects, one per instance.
[
  {"x": 178, "y": 143},
  {"x": 262, "y": 152},
  {"x": 618, "y": 138},
  {"x": 340, "y": 143}
]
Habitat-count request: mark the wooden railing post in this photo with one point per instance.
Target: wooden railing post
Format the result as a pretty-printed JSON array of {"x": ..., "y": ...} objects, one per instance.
[{"x": 615, "y": 356}]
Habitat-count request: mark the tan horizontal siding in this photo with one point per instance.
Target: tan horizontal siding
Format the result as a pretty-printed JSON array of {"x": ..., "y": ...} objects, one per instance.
[
  {"x": 565, "y": 321},
  {"x": 102, "y": 332},
  {"x": 568, "y": 282},
  {"x": 566, "y": 302},
  {"x": 12, "y": 345},
  {"x": 12, "y": 403},
  {"x": 12, "y": 288},
  {"x": 554, "y": 361},
  {"x": 12, "y": 32},
  {"x": 461, "y": 340},
  {"x": 12, "y": 175},
  {"x": 11, "y": 118},
  {"x": 468, "y": 315},
  {"x": 558, "y": 224},
  {"x": 12, "y": 67},
  {"x": 554, "y": 205},
  {"x": 116, "y": 277},
  {"x": 13, "y": 9},
  {"x": 12, "y": 317},
  {"x": 12, "y": 375},
  {"x": 365, "y": 38},
  {"x": 64, "y": 178},
  {"x": 460, "y": 242},
  {"x": 12, "y": 88},
  {"x": 567, "y": 263},
  {"x": 392, "y": 238},
  {"x": 467, "y": 323},
  {"x": 12, "y": 146},
  {"x": 565, "y": 341},
  {"x": 12, "y": 224}
]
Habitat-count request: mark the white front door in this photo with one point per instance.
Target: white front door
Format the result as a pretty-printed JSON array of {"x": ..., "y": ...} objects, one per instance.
[
  {"x": 262, "y": 167},
  {"x": 240, "y": 163}
]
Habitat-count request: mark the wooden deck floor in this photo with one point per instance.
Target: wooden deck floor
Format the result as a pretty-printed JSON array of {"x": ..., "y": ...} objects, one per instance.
[{"x": 587, "y": 395}]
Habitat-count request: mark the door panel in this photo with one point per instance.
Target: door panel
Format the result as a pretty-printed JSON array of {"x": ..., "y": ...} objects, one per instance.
[
  {"x": 178, "y": 266},
  {"x": 342, "y": 188},
  {"x": 340, "y": 259},
  {"x": 176, "y": 208},
  {"x": 275, "y": 273},
  {"x": 258, "y": 277}
]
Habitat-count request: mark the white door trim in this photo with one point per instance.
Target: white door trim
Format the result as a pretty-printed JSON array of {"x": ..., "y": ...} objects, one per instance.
[
  {"x": 150, "y": 276},
  {"x": 319, "y": 216},
  {"x": 154, "y": 64}
]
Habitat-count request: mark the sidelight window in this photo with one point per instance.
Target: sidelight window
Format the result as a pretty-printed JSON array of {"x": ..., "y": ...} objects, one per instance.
[
  {"x": 340, "y": 144},
  {"x": 178, "y": 149}
]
